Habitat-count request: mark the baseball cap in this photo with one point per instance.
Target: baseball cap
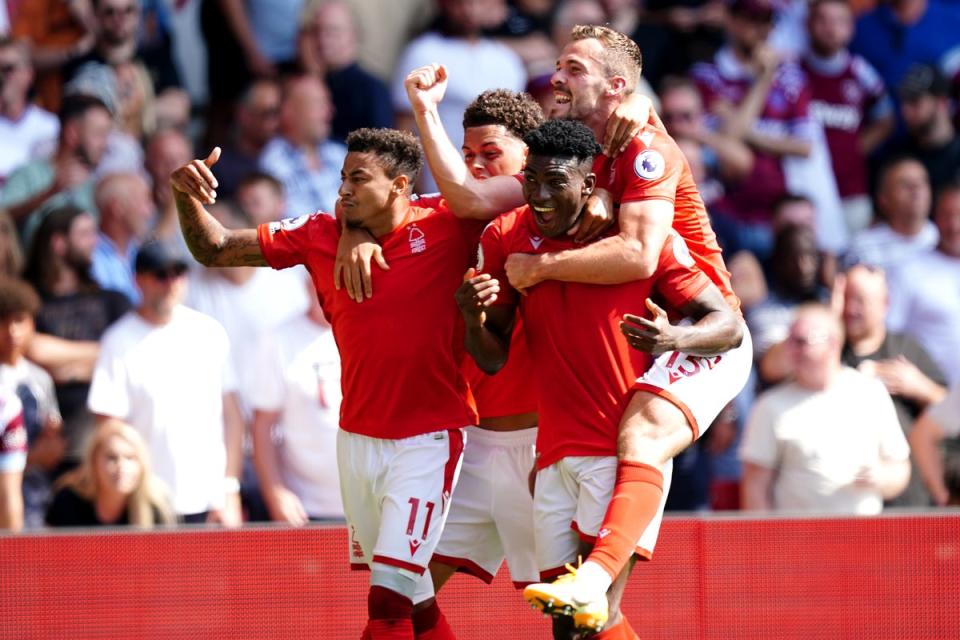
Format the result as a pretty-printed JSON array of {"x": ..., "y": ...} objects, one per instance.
[
  {"x": 923, "y": 79},
  {"x": 756, "y": 9},
  {"x": 154, "y": 257}
]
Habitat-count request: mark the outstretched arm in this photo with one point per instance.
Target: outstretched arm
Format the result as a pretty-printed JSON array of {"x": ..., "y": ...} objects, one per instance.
[
  {"x": 630, "y": 255},
  {"x": 212, "y": 244},
  {"x": 468, "y": 197},
  {"x": 488, "y": 327},
  {"x": 715, "y": 328}
]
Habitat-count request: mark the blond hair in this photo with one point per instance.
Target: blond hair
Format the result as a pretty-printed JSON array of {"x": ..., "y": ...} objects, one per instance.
[
  {"x": 148, "y": 504},
  {"x": 621, "y": 55}
]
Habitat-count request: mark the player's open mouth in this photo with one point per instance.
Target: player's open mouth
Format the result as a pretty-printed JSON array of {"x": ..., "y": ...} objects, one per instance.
[
  {"x": 561, "y": 98},
  {"x": 543, "y": 214}
]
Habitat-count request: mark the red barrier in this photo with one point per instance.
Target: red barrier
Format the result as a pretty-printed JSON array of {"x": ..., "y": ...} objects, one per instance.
[{"x": 883, "y": 578}]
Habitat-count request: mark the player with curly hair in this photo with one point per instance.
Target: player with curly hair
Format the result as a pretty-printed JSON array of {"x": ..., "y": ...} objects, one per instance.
[
  {"x": 405, "y": 400},
  {"x": 583, "y": 363}
]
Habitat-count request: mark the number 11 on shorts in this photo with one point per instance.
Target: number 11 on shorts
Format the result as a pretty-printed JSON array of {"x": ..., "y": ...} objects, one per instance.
[{"x": 412, "y": 522}]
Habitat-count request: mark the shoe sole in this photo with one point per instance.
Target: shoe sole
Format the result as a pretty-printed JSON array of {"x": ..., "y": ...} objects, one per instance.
[{"x": 548, "y": 606}]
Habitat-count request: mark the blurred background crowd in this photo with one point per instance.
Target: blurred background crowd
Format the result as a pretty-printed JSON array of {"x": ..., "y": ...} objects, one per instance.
[{"x": 138, "y": 387}]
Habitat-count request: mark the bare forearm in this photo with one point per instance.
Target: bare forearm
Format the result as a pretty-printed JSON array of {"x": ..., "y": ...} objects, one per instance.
[
  {"x": 747, "y": 112},
  {"x": 925, "y": 449},
  {"x": 210, "y": 242},
  {"x": 11, "y": 501},
  {"x": 20, "y": 211},
  {"x": 614, "y": 260},
  {"x": 713, "y": 334},
  {"x": 734, "y": 158},
  {"x": 778, "y": 146},
  {"x": 239, "y": 23},
  {"x": 467, "y": 196},
  {"x": 233, "y": 429},
  {"x": 487, "y": 349},
  {"x": 264, "y": 450},
  {"x": 67, "y": 360},
  {"x": 755, "y": 490}
]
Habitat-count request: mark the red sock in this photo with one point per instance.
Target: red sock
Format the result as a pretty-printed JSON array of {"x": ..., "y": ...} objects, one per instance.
[
  {"x": 635, "y": 502},
  {"x": 430, "y": 624},
  {"x": 620, "y": 631},
  {"x": 391, "y": 615}
]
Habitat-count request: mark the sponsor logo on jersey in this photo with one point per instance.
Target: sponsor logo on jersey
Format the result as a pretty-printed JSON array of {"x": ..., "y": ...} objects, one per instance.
[
  {"x": 417, "y": 239},
  {"x": 649, "y": 165},
  {"x": 536, "y": 241}
]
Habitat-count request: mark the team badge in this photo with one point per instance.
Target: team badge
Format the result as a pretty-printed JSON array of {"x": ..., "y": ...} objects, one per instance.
[
  {"x": 417, "y": 239},
  {"x": 536, "y": 241},
  {"x": 649, "y": 165}
]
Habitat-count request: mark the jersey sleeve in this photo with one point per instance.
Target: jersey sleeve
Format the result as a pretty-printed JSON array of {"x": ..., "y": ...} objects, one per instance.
[
  {"x": 492, "y": 259},
  {"x": 678, "y": 279},
  {"x": 648, "y": 173},
  {"x": 287, "y": 242}
]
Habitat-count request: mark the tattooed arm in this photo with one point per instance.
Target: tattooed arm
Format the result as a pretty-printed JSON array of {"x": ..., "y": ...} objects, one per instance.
[{"x": 212, "y": 244}]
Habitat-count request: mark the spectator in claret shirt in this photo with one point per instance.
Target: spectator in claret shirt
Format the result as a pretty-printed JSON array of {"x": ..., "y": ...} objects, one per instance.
[
  {"x": 849, "y": 100},
  {"x": 755, "y": 97}
]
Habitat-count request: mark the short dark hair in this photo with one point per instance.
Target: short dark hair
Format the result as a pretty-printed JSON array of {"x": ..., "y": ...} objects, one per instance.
[
  {"x": 75, "y": 105},
  {"x": 16, "y": 296},
  {"x": 892, "y": 163},
  {"x": 260, "y": 176},
  {"x": 399, "y": 152},
  {"x": 564, "y": 139},
  {"x": 517, "y": 112},
  {"x": 789, "y": 198}
]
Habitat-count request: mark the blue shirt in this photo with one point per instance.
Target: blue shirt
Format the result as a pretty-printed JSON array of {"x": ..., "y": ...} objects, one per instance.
[
  {"x": 892, "y": 47},
  {"x": 113, "y": 270},
  {"x": 307, "y": 190}
]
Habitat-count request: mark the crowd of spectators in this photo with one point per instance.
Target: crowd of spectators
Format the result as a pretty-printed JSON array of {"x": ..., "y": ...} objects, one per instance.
[{"x": 138, "y": 387}]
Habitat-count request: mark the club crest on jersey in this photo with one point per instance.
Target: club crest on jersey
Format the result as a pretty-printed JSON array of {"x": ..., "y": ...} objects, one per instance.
[
  {"x": 417, "y": 239},
  {"x": 536, "y": 241},
  {"x": 649, "y": 165}
]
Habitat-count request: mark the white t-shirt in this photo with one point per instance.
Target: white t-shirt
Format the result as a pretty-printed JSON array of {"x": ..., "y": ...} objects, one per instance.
[
  {"x": 168, "y": 382},
  {"x": 925, "y": 304},
  {"x": 473, "y": 68},
  {"x": 247, "y": 310},
  {"x": 817, "y": 441},
  {"x": 26, "y": 138},
  {"x": 881, "y": 246},
  {"x": 298, "y": 368}
]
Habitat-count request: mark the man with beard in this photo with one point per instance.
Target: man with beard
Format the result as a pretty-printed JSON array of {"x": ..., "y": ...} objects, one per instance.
[
  {"x": 72, "y": 307},
  {"x": 67, "y": 178},
  {"x": 925, "y": 104}
]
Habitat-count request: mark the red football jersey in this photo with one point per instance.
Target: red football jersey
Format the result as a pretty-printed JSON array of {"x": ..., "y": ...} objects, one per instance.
[
  {"x": 654, "y": 168},
  {"x": 582, "y": 364},
  {"x": 402, "y": 350},
  {"x": 510, "y": 392}
]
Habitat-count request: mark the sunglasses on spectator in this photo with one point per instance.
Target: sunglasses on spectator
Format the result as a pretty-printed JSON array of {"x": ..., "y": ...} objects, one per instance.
[
  {"x": 170, "y": 273},
  {"x": 813, "y": 339}
]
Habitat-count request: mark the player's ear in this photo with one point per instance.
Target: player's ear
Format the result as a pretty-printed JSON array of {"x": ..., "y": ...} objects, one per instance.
[
  {"x": 400, "y": 185},
  {"x": 617, "y": 85},
  {"x": 589, "y": 182}
]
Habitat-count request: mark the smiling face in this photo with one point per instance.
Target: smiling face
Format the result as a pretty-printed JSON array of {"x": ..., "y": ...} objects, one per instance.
[
  {"x": 490, "y": 150},
  {"x": 556, "y": 190},
  {"x": 579, "y": 81}
]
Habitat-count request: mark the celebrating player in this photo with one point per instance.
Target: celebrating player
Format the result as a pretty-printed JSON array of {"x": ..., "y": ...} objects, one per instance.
[
  {"x": 490, "y": 518},
  {"x": 583, "y": 376},
  {"x": 400, "y": 443},
  {"x": 654, "y": 187}
]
